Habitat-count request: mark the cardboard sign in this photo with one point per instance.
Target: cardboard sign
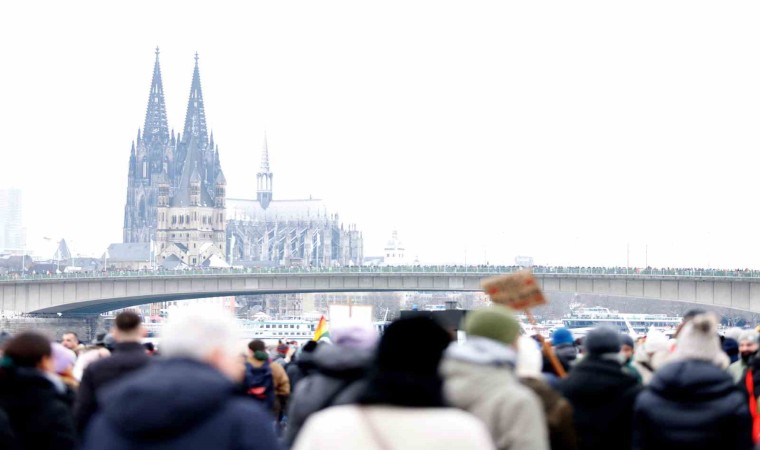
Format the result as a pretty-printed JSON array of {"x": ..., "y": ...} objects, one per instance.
[{"x": 519, "y": 290}]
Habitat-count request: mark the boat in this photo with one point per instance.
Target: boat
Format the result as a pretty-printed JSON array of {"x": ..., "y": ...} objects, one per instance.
[
  {"x": 272, "y": 331},
  {"x": 580, "y": 320}
]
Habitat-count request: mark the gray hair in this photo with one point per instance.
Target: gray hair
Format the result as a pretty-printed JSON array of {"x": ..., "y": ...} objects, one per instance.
[{"x": 197, "y": 332}]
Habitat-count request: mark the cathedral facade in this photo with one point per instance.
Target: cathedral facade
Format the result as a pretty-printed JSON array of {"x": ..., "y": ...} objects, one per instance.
[
  {"x": 176, "y": 188},
  {"x": 266, "y": 231}
]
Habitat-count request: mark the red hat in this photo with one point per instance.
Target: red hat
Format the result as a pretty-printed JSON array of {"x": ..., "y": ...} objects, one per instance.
[{"x": 283, "y": 349}]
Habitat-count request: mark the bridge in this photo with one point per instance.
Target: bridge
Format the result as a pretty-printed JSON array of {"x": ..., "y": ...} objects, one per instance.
[{"x": 91, "y": 293}]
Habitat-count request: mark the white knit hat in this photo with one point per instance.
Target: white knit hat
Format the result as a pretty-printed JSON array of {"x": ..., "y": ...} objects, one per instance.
[
  {"x": 699, "y": 340},
  {"x": 529, "y": 359},
  {"x": 656, "y": 341},
  {"x": 748, "y": 336}
]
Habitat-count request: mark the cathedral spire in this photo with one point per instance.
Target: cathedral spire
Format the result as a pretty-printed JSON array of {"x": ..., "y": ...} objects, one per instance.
[
  {"x": 265, "y": 156},
  {"x": 195, "y": 119},
  {"x": 156, "y": 126},
  {"x": 264, "y": 178}
]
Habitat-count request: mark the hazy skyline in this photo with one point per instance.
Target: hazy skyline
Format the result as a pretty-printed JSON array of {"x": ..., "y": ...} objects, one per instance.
[{"x": 566, "y": 132}]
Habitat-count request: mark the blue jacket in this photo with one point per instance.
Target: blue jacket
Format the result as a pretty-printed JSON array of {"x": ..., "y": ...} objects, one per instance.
[
  {"x": 178, "y": 404},
  {"x": 692, "y": 404}
]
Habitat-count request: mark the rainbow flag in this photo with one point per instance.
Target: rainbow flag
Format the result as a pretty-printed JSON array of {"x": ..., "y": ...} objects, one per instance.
[{"x": 321, "y": 330}]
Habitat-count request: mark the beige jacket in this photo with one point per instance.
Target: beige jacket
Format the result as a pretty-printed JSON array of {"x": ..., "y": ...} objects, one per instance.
[{"x": 476, "y": 380}]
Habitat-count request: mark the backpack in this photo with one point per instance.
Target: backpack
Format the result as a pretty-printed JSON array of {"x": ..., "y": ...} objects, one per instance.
[{"x": 259, "y": 384}]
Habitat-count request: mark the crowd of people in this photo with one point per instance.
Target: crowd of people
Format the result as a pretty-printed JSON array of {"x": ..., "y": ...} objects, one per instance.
[{"x": 414, "y": 387}]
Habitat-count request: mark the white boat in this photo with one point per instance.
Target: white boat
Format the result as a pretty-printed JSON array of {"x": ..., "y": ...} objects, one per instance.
[
  {"x": 274, "y": 330},
  {"x": 584, "y": 319}
]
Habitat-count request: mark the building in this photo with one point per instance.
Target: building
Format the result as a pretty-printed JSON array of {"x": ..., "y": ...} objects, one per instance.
[
  {"x": 12, "y": 235},
  {"x": 176, "y": 188},
  {"x": 395, "y": 253},
  {"x": 266, "y": 231}
]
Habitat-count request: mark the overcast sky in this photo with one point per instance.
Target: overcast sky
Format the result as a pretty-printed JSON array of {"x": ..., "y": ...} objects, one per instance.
[{"x": 566, "y": 131}]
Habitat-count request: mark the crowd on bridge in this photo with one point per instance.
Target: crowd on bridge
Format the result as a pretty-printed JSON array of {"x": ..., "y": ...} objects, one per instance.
[{"x": 414, "y": 387}]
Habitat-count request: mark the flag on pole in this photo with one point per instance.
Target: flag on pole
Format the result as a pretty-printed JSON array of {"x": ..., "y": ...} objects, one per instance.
[{"x": 321, "y": 331}]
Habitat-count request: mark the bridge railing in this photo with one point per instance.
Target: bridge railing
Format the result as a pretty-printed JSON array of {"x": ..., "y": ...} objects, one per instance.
[{"x": 449, "y": 269}]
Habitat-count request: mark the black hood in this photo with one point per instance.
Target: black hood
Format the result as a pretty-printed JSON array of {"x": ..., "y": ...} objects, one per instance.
[
  {"x": 691, "y": 379},
  {"x": 166, "y": 398},
  {"x": 596, "y": 380}
]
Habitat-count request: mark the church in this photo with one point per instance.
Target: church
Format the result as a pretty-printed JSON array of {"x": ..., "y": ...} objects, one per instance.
[
  {"x": 177, "y": 215},
  {"x": 176, "y": 188}
]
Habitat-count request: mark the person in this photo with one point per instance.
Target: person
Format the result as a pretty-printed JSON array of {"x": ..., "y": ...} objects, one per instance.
[
  {"x": 626, "y": 352},
  {"x": 128, "y": 356},
  {"x": 337, "y": 379},
  {"x": 187, "y": 399},
  {"x": 301, "y": 364},
  {"x": 730, "y": 347},
  {"x": 258, "y": 380},
  {"x": 692, "y": 403},
  {"x": 557, "y": 410},
  {"x": 89, "y": 355},
  {"x": 281, "y": 354},
  {"x": 479, "y": 378},
  {"x": 70, "y": 340},
  {"x": 7, "y": 440},
  {"x": 259, "y": 359},
  {"x": 402, "y": 405},
  {"x": 63, "y": 364},
  {"x": 564, "y": 348},
  {"x": 33, "y": 397},
  {"x": 602, "y": 395},
  {"x": 652, "y": 355},
  {"x": 748, "y": 346}
]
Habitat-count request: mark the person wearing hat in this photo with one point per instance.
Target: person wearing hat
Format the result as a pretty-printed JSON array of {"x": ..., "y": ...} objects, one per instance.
[
  {"x": 402, "y": 405},
  {"x": 748, "y": 346},
  {"x": 564, "y": 347},
  {"x": 602, "y": 395},
  {"x": 480, "y": 378},
  {"x": 626, "y": 352},
  {"x": 337, "y": 377},
  {"x": 557, "y": 410},
  {"x": 692, "y": 402},
  {"x": 651, "y": 354}
]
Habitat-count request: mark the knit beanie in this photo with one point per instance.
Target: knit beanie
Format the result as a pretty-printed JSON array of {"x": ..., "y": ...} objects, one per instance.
[
  {"x": 602, "y": 340},
  {"x": 699, "y": 340},
  {"x": 355, "y": 336},
  {"x": 496, "y": 323},
  {"x": 562, "y": 336},
  {"x": 733, "y": 333},
  {"x": 748, "y": 336},
  {"x": 529, "y": 358},
  {"x": 656, "y": 341},
  {"x": 63, "y": 358}
]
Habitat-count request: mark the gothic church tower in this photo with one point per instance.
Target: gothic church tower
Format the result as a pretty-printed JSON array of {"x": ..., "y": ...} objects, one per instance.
[{"x": 177, "y": 190}]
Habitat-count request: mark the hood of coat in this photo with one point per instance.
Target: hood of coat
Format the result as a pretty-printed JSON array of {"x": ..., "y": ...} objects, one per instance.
[
  {"x": 596, "y": 380},
  {"x": 467, "y": 383},
  {"x": 342, "y": 362},
  {"x": 166, "y": 398},
  {"x": 483, "y": 352},
  {"x": 691, "y": 379}
]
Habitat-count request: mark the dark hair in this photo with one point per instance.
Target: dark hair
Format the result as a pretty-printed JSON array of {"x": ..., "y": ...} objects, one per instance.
[
  {"x": 149, "y": 346},
  {"x": 28, "y": 349},
  {"x": 72, "y": 332},
  {"x": 127, "y": 321},
  {"x": 257, "y": 345}
]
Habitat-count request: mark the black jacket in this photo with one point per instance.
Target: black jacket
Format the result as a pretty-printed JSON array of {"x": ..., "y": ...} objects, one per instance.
[
  {"x": 336, "y": 381},
  {"x": 179, "y": 404},
  {"x": 602, "y": 397},
  {"x": 39, "y": 415},
  {"x": 127, "y": 357},
  {"x": 692, "y": 404}
]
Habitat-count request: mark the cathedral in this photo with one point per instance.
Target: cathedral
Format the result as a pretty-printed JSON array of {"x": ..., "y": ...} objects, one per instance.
[
  {"x": 176, "y": 188},
  {"x": 266, "y": 231},
  {"x": 177, "y": 215}
]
